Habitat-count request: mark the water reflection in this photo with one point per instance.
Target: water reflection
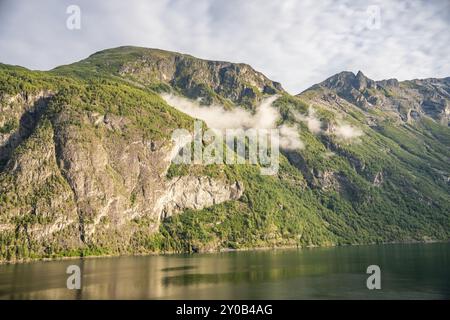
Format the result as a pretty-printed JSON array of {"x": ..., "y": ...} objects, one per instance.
[{"x": 408, "y": 271}]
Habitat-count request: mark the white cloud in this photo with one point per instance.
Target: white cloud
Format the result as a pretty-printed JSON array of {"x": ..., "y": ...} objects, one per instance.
[
  {"x": 347, "y": 132},
  {"x": 298, "y": 43},
  {"x": 313, "y": 123},
  {"x": 289, "y": 138},
  {"x": 341, "y": 129},
  {"x": 219, "y": 119}
]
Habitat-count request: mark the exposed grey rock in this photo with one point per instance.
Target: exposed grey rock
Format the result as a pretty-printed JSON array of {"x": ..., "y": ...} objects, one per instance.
[
  {"x": 378, "y": 179},
  {"x": 24, "y": 111},
  {"x": 409, "y": 100},
  {"x": 104, "y": 181},
  {"x": 195, "y": 193}
]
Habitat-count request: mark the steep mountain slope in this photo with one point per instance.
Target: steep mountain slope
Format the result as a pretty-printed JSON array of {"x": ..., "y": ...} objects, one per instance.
[
  {"x": 85, "y": 160},
  {"x": 405, "y": 158},
  {"x": 84, "y": 166}
]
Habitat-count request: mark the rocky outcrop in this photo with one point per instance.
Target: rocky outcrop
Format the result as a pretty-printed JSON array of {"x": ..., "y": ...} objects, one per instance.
[
  {"x": 37, "y": 206},
  {"x": 349, "y": 87},
  {"x": 378, "y": 179},
  {"x": 19, "y": 115},
  {"x": 195, "y": 193}
]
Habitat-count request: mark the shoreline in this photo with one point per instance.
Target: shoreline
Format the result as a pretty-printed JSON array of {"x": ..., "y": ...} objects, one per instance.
[{"x": 223, "y": 250}]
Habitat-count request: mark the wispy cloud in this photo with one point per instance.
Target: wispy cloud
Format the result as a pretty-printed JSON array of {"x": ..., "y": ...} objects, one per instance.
[
  {"x": 298, "y": 43},
  {"x": 311, "y": 120},
  {"x": 347, "y": 132},
  {"x": 339, "y": 128},
  {"x": 217, "y": 118}
]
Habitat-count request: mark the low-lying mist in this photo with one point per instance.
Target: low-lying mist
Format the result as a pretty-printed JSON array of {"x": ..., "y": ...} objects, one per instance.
[
  {"x": 315, "y": 125},
  {"x": 265, "y": 117},
  {"x": 217, "y": 118}
]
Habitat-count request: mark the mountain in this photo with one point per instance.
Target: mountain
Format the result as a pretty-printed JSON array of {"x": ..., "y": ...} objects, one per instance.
[
  {"x": 405, "y": 100},
  {"x": 85, "y": 160},
  {"x": 221, "y": 82}
]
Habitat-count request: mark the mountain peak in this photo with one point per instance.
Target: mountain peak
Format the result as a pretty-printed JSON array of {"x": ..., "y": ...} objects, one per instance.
[
  {"x": 362, "y": 82},
  {"x": 407, "y": 99},
  {"x": 347, "y": 80},
  {"x": 209, "y": 81}
]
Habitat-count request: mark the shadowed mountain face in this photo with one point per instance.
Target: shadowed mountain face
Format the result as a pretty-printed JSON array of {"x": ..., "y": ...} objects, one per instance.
[{"x": 85, "y": 163}]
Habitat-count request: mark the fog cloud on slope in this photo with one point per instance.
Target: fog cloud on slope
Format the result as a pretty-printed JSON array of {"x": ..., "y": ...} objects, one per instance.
[
  {"x": 341, "y": 129},
  {"x": 216, "y": 117},
  {"x": 346, "y": 131},
  {"x": 313, "y": 123}
]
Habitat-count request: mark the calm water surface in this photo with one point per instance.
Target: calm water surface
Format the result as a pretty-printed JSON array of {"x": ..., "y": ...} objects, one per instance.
[{"x": 408, "y": 271}]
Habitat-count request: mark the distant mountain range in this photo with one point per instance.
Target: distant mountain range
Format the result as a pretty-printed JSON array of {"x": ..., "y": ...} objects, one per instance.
[{"x": 85, "y": 160}]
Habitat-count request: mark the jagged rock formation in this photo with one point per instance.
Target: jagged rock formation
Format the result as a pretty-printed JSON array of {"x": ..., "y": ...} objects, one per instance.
[{"x": 408, "y": 100}]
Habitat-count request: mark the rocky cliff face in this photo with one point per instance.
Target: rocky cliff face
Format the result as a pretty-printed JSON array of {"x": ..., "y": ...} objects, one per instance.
[
  {"x": 195, "y": 193},
  {"x": 19, "y": 115},
  {"x": 74, "y": 178}
]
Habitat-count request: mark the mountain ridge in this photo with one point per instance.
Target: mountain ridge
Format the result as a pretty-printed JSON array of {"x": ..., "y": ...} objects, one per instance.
[
  {"x": 408, "y": 98},
  {"x": 210, "y": 81}
]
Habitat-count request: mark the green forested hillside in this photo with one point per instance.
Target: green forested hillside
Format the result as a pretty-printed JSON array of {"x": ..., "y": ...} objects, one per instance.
[{"x": 84, "y": 160}]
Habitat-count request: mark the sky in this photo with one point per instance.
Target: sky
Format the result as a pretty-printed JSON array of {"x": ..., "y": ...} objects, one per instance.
[{"x": 298, "y": 43}]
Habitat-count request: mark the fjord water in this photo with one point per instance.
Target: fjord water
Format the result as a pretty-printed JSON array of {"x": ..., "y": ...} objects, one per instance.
[{"x": 408, "y": 271}]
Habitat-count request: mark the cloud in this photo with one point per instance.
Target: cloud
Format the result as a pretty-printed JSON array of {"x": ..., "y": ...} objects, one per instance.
[
  {"x": 313, "y": 123},
  {"x": 298, "y": 43},
  {"x": 347, "y": 132},
  {"x": 219, "y": 119},
  {"x": 340, "y": 129},
  {"x": 289, "y": 139}
]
